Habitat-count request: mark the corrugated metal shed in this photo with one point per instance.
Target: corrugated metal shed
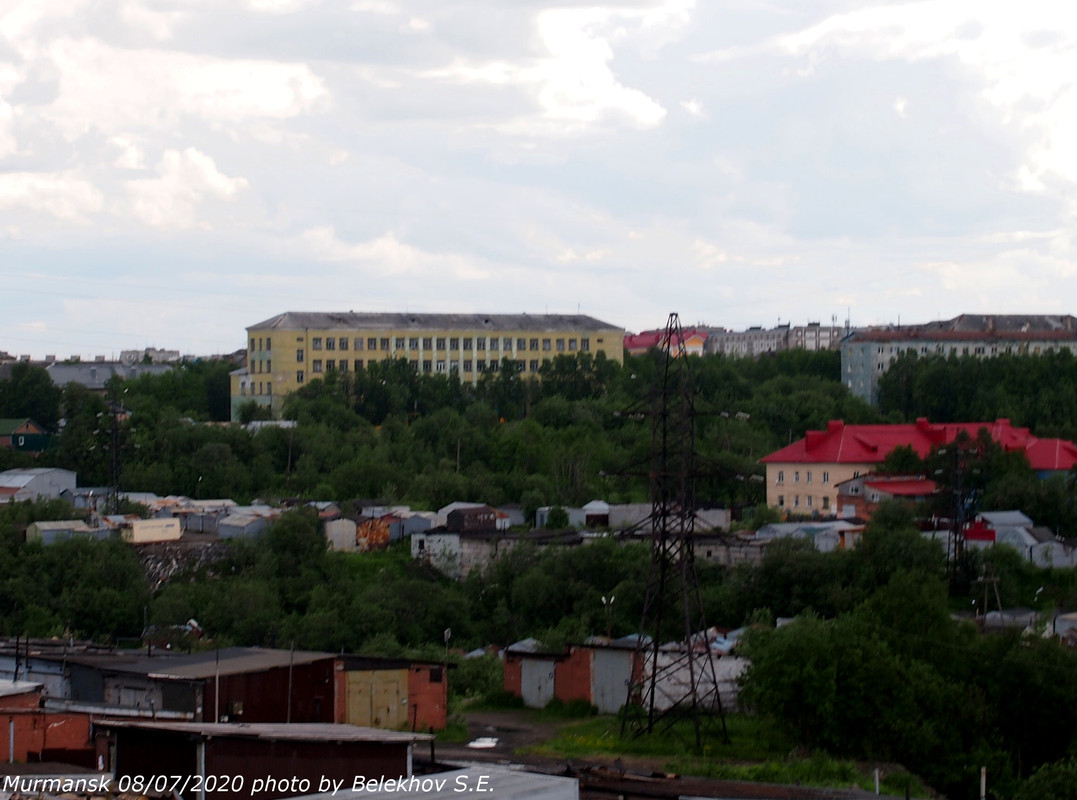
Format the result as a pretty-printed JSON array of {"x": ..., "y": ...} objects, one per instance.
[{"x": 503, "y": 784}]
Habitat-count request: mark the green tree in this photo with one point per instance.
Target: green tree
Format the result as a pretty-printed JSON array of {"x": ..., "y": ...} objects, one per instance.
[
  {"x": 30, "y": 392},
  {"x": 557, "y": 519}
]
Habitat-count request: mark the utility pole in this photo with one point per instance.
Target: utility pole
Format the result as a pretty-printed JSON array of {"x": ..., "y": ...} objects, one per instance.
[{"x": 677, "y": 679}]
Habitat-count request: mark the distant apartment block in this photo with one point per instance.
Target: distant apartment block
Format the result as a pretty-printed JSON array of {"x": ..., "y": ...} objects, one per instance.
[
  {"x": 757, "y": 341},
  {"x": 150, "y": 355},
  {"x": 867, "y": 354},
  {"x": 293, "y": 348}
]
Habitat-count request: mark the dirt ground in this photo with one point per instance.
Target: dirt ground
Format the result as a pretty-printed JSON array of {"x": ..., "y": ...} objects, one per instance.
[{"x": 517, "y": 731}]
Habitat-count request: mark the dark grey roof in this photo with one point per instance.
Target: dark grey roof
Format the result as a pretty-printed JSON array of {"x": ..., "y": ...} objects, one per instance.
[
  {"x": 293, "y": 731},
  {"x": 95, "y": 374},
  {"x": 199, "y": 666},
  {"x": 351, "y": 320}
]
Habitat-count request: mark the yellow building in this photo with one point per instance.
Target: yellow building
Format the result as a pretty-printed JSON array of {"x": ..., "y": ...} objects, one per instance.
[{"x": 290, "y": 349}]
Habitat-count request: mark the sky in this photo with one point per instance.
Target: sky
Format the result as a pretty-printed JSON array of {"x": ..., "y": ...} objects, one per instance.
[{"x": 173, "y": 171}]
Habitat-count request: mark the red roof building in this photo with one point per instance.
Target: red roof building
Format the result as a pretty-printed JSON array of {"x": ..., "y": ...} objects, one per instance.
[
  {"x": 638, "y": 343},
  {"x": 860, "y": 497},
  {"x": 803, "y": 477}
]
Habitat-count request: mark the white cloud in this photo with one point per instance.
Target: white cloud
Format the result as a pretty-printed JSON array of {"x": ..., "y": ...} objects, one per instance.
[
  {"x": 184, "y": 181},
  {"x": 694, "y": 108},
  {"x": 1025, "y": 74},
  {"x": 390, "y": 256},
  {"x": 114, "y": 90},
  {"x": 157, "y": 24},
  {"x": 131, "y": 155},
  {"x": 67, "y": 196},
  {"x": 8, "y": 143},
  {"x": 571, "y": 84}
]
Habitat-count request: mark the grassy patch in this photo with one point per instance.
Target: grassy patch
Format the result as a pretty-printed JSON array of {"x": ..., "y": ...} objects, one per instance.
[
  {"x": 751, "y": 739},
  {"x": 757, "y": 751},
  {"x": 455, "y": 732}
]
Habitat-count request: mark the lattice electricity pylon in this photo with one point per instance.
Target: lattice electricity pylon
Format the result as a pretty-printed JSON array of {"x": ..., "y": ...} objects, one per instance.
[{"x": 677, "y": 679}]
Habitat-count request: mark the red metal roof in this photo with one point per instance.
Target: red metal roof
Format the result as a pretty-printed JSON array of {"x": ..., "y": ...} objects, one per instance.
[
  {"x": 870, "y": 444},
  {"x": 642, "y": 342},
  {"x": 903, "y": 488}
]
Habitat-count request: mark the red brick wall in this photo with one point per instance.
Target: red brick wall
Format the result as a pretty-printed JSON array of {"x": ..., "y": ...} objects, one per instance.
[
  {"x": 572, "y": 677},
  {"x": 514, "y": 680},
  {"x": 37, "y": 730},
  {"x": 427, "y": 700}
]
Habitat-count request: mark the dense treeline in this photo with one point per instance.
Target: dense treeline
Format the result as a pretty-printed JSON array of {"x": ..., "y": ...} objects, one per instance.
[
  {"x": 1035, "y": 391},
  {"x": 78, "y": 587},
  {"x": 391, "y": 434},
  {"x": 876, "y": 667}
]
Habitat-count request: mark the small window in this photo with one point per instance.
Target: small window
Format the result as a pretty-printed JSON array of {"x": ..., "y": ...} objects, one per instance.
[
  {"x": 441, "y": 343},
  {"x": 358, "y": 365},
  {"x": 534, "y": 365},
  {"x": 399, "y": 342},
  {"x": 467, "y": 342},
  {"x": 427, "y": 365},
  {"x": 317, "y": 366},
  {"x": 371, "y": 343},
  {"x": 534, "y": 344},
  {"x": 572, "y": 345},
  {"x": 521, "y": 344},
  {"x": 413, "y": 343},
  {"x": 358, "y": 343},
  {"x": 269, "y": 344},
  {"x": 384, "y": 343},
  {"x": 343, "y": 366},
  {"x": 299, "y": 356},
  {"x": 585, "y": 345},
  {"x": 454, "y": 343},
  {"x": 807, "y": 476},
  {"x": 299, "y": 376},
  {"x": 796, "y": 476},
  {"x": 440, "y": 366},
  {"x": 428, "y": 343},
  {"x": 316, "y": 342},
  {"x": 781, "y": 501},
  {"x": 781, "y": 476},
  {"x": 560, "y": 345},
  {"x": 546, "y": 344},
  {"x": 826, "y": 477},
  {"x": 343, "y": 343},
  {"x": 330, "y": 343},
  {"x": 331, "y": 363},
  {"x": 480, "y": 343}
]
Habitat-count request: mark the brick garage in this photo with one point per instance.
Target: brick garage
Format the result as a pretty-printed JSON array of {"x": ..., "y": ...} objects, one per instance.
[
  {"x": 390, "y": 693},
  {"x": 41, "y": 735}
]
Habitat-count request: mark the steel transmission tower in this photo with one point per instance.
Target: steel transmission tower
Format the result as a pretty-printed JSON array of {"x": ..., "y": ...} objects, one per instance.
[{"x": 673, "y": 675}]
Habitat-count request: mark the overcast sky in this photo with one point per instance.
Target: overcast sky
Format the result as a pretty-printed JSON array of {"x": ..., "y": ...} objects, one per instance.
[{"x": 172, "y": 171}]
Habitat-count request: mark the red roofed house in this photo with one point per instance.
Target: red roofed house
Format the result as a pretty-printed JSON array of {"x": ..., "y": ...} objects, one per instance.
[
  {"x": 639, "y": 343},
  {"x": 860, "y": 497},
  {"x": 803, "y": 477}
]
